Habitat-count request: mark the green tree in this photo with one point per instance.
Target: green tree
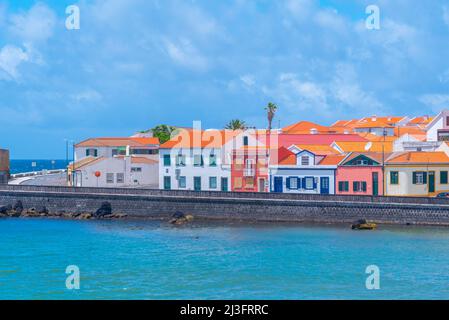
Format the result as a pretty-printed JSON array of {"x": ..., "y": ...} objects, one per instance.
[
  {"x": 271, "y": 109},
  {"x": 236, "y": 124},
  {"x": 163, "y": 132}
]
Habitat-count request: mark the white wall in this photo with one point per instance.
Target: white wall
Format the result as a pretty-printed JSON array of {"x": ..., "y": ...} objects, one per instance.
[
  {"x": 190, "y": 171},
  {"x": 301, "y": 173},
  {"x": 432, "y": 131},
  {"x": 148, "y": 177}
]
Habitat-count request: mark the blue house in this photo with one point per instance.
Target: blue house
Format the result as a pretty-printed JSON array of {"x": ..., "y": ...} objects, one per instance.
[{"x": 302, "y": 171}]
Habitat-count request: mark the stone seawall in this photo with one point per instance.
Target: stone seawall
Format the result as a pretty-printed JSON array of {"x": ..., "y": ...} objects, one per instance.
[{"x": 160, "y": 204}]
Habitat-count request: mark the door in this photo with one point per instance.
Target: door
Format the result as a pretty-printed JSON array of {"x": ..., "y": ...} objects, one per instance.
[
  {"x": 167, "y": 183},
  {"x": 224, "y": 184},
  {"x": 197, "y": 183},
  {"x": 431, "y": 181},
  {"x": 324, "y": 185},
  {"x": 278, "y": 184},
  {"x": 375, "y": 184},
  {"x": 261, "y": 185}
]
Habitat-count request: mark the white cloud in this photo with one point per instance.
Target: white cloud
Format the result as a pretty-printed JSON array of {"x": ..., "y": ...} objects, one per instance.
[
  {"x": 446, "y": 15},
  {"x": 10, "y": 59},
  {"x": 88, "y": 95},
  {"x": 248, "y": 80},
  {"x": 437, "y": 102},
  {"x": 186, "y": 54},
  {"x": 35, "y": 25}
]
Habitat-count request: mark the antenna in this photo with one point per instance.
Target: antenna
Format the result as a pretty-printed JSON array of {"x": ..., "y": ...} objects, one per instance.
[{"x": 368, "y": 146}]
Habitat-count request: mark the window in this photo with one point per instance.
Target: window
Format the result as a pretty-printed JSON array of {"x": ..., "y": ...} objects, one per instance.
[
  {"x": 309, "y": 183},
  {"x": 443, "y": 177},
  {"x": 359, "y": 186},
  {"x": 245, "y": 141},
  {"x": 304, "y": 160},
  {"x": 91, "y": 153},
  {"x": 447, "y": 121},
  {"x": 419, "y": 177},
  {"x": 120, "y": 177},
  {"x": 180, "y": 160},
  {"x": 198, "y": 160},
  {"x": 144, "y": 151},
  {"x": 167, "y": 183},
  {"x": 182, "y": 182},
  {"x": 119, "y": 151},
  {"x": 238, "y": 182},
  {"x": 292, "y": 183},
  {"x": 167, "y": 160},
  {"x": 109, "y": 178},
  {"x": 213, "y": 182},
  {"x": 362, "y": 162},
  {"x": 343, "y": 186},
  {"x": 394, "y": 177},
  {"x": 136, "y": 169},
  {"x": 213, "y": 160},
  {"x": 249, "y": 182}
]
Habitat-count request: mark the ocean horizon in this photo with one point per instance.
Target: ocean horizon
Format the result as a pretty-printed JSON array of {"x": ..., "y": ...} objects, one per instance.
[{"x": 30, "y": 165}]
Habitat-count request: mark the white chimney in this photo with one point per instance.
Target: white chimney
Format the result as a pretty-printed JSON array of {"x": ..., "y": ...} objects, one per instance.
[
  {"x": 374, "y": 118},
  {"x": 313, "y": 131}
]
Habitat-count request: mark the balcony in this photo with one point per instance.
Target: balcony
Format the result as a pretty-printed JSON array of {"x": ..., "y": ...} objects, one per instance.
[{"x": 249, "y": 171}]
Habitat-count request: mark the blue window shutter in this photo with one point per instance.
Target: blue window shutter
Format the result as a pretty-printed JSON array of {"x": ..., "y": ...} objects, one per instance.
[
  {"x": 314, "y": 183},
  {"x": 288, "y": 182},
  {"x": 298, "y": 183},
  {"x": 303, "y": 183},
  {"x": 424, "y": 178}
]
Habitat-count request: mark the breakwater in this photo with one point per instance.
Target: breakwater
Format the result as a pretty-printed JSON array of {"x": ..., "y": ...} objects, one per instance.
[{"x": 160, "y": 204}]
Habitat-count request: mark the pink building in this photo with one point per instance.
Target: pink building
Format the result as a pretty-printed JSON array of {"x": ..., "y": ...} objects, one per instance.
[{"x": 360, "y": 174}]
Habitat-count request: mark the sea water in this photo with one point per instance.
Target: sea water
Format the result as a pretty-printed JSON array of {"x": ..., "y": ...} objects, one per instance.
[{"x": 154, "y": 260}]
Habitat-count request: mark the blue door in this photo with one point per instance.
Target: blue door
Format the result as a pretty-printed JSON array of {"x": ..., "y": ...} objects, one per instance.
[
  {"x": 278, "y": 184},
  {"x": 324, "y": 185},
  {"x": 197, "y": 183}
]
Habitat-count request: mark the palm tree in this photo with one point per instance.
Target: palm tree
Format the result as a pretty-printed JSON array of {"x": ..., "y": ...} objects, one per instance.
[
  {"x": 271, "y": 111},
  {"x": 236, "y": 124}
]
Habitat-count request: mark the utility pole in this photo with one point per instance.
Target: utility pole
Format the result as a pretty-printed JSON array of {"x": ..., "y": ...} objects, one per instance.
[{"x": 73, "y": 165}]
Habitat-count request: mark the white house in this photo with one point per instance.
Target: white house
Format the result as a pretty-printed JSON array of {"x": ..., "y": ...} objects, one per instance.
[
  {"x": 117, "y": 171},
  {"x": 304, "y": 172},
  {"x": 200, "y": 160},
  {"x": 438, "y": 128},
  {"x": 109, "y": 147},
  {"x": 408, "y": 142}
]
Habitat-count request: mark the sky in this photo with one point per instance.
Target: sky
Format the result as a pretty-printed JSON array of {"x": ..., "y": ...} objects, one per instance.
[{"x": 134, "y": 64}]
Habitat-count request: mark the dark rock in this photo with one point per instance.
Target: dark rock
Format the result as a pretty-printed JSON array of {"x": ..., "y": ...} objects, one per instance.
[
  {"x": 85, "y": 216},
  {"x": 180, "y": 218},
  {"x": 104, "y": 210},
  {"x": 178, "y": 215},
  {"x": 42, "y": 210},
  {"x": 18, "y": 207},
  {"x": 5, "y": 209}
]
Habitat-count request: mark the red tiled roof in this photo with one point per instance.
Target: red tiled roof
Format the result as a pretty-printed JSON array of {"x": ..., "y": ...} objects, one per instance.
[{"x": 118, "y": 142}]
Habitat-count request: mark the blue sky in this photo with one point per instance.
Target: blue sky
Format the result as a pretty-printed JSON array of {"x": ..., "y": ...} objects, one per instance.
[{"x": 137, "y": 63}]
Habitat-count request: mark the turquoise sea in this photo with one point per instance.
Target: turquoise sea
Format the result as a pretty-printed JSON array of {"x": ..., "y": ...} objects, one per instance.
[{"x": 152, "y": 260}]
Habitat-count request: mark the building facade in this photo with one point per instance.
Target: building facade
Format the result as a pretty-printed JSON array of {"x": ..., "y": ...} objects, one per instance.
[
  {"x": 114, "y": 172},
  {"x": 110, "y": 147},
  {"x": 302, "y": 173},
  {"x": 249, "y": 170},
  {"x": 4, "y": 166},
  {"x": 360, "y": 174},
  {"x": 420, "y": 174}
]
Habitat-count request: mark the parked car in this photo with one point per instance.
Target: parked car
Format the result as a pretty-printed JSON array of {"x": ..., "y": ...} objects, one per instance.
[{"x": 443, "y": 195}]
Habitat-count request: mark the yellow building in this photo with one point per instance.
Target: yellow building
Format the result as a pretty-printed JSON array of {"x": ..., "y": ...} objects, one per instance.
[{"x": 416, "y": 174}]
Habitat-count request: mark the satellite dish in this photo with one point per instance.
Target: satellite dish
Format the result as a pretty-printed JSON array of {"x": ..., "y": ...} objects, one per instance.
[{"x": 368, "y": 146}]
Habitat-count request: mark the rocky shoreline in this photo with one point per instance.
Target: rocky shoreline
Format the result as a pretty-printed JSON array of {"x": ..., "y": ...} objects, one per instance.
[
  {"x": 18, "y": 211},
  {"x": 104, "y": 212}
]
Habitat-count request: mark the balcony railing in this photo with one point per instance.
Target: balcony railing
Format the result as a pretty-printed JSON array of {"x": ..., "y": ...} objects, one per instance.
[{"x": 249, "y": 172}]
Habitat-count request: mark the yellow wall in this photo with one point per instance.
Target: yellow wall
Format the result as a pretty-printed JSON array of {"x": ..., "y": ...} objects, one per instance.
[{"x": 406, "y": 186}]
